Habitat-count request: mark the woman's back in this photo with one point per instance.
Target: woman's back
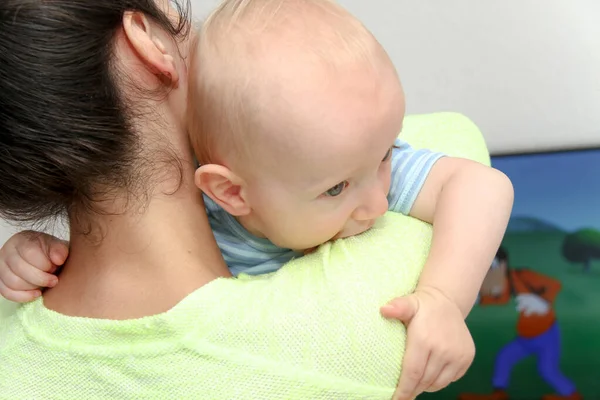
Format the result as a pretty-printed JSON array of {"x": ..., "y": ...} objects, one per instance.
[{"x": 311, "y": 331}]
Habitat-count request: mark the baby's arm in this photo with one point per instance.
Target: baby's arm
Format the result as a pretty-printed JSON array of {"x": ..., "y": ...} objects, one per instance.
[
  {"x": 27, "y": 263},
  {"x": 469, "y": 205}
]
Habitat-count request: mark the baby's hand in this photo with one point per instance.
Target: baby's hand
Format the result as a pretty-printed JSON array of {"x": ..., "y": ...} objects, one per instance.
[
  {"x": 439, "y": 347},
  {"x": 27, "y": 262}
]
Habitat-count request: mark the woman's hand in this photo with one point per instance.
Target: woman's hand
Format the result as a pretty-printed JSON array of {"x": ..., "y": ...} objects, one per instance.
[
  {"x": 27, "y": 263},
  {"x": 439, "y": 347}
]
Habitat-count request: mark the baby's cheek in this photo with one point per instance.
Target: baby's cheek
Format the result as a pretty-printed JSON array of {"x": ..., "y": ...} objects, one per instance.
[
  {"x": 387, "y": 180},
  {"x": 340, "y": 225},
  {"x": 318, "y": 231}
]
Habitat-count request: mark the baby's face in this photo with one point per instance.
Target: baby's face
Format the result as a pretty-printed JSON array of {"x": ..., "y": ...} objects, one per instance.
[{"x": 325, "y": 172}]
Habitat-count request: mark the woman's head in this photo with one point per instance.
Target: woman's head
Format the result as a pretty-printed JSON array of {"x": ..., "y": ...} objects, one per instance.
[{"x": 81, "y": 83}]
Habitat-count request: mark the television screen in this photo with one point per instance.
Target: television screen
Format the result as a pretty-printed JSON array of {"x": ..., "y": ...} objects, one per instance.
[{"x": 537, "y": 322}]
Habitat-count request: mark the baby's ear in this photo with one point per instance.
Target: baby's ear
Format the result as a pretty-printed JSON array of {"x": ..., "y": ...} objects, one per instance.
[{"x": 223, "y": 187}]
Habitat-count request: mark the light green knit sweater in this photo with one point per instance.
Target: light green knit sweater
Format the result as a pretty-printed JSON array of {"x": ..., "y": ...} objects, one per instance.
[{"x": 310, "y": 331}]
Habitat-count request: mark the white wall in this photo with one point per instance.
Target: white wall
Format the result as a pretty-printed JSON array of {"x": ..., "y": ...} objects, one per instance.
[
  {"x": 5, "y": 232},
  {"x": 526, "y": 71}
]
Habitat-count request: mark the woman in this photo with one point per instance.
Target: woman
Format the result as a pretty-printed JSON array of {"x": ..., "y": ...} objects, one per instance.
[{"x": 92, "y": 104}]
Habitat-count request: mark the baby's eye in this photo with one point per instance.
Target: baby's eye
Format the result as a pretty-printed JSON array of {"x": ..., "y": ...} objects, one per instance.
[
  {"x": 337, "y": 189},
  {"x": 388, "y": 154}
]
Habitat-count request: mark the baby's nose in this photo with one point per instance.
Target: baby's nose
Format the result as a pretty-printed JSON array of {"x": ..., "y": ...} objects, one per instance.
[{"x": 374, "y": 206}]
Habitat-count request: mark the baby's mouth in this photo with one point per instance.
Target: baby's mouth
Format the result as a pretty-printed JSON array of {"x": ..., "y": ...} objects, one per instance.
[{"x": 355, "y": 232}]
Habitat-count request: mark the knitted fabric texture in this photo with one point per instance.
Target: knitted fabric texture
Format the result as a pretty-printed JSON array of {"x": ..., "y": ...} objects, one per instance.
[{"x": 310, "y": 331}]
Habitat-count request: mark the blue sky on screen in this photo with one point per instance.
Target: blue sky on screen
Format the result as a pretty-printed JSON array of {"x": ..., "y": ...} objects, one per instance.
[{"x": 560, "y": 188}]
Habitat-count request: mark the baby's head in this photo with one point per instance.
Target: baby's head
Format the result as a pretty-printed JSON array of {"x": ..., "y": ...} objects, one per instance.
[{"x": 294, "y": 108}]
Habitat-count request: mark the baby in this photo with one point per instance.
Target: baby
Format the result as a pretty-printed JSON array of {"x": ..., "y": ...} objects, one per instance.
[{"x": 294, "y": 113}]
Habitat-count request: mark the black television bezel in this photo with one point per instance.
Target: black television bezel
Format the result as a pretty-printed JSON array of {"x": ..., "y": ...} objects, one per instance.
[{"x": 576, "y": 149}]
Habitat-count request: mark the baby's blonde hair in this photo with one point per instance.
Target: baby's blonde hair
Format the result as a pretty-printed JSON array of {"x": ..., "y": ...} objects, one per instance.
[{"x": 225, "y": 77}]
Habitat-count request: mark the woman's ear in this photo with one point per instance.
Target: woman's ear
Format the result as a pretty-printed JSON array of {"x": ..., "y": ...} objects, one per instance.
[
  {"x": 223, "y": 187},
  {"x": 139, "y": 33}
]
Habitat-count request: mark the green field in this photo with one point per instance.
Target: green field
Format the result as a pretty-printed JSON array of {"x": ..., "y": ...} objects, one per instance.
[{"x": 578, "y": 313}]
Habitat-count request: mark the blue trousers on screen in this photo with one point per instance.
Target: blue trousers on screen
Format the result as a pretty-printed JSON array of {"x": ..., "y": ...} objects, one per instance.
[{"x": 546, "y": 348}]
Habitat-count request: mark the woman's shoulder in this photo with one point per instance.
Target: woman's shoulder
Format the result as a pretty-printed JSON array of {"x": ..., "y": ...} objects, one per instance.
[
  {"x": 381, "y": 263},
  {"x": 384, "y": 261},
  {"x": 7, "y": 309},
  {"x": 312, "y": 327},
  {"x": 320, "y": 313}
]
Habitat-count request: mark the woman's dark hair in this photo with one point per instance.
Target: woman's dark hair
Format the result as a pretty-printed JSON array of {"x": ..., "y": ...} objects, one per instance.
[{"x": 65, "y": 132}]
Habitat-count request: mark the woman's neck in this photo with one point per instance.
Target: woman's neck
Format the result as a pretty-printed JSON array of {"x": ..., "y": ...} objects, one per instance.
[{"x": 144, "y": 263}]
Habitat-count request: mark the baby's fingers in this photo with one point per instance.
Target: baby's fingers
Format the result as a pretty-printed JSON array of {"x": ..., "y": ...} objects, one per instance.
[
  {"x": 445, "y": 377},
  {"x": 454, "y": 369},
  {"x": 58, "y": 250},
  {"x": 413, "y": 368},
  {"x": 33, "y": 276},
  {"x": 12, "y": 281},
  {"x": 40, "y": 251},
  {"x": 18, "y": 296},
  {"x": 432, "y": 373}
]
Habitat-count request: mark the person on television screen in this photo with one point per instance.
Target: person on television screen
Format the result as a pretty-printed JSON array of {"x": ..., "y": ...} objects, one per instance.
[{"x": 537, "y": 328}]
